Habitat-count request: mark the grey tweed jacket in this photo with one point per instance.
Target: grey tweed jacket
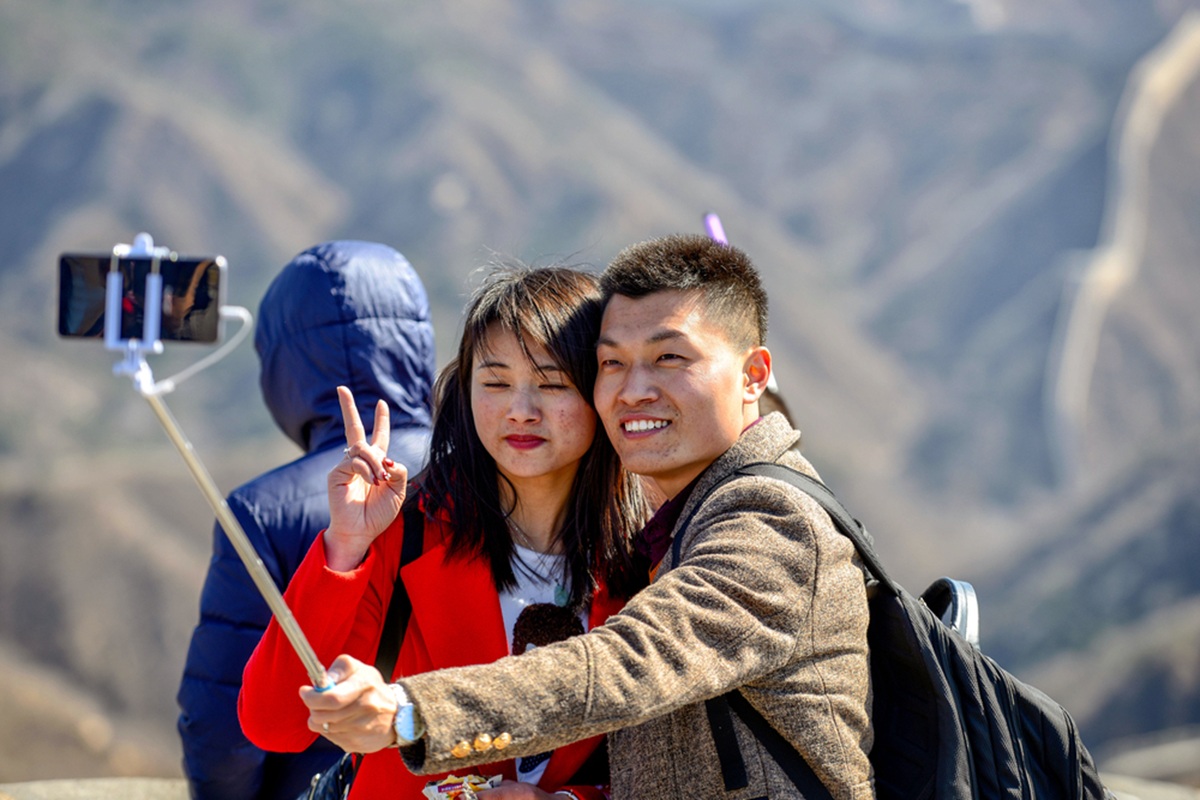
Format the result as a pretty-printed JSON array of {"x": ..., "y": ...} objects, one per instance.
[{"x": 767, "y": 598}]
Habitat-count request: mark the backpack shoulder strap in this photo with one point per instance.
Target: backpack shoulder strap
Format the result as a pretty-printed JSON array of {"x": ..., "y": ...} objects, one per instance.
[
  {"x": 849, "y": 527},
  {"x": 400, "y": 607},
  {"x": 789, "y": 759}
]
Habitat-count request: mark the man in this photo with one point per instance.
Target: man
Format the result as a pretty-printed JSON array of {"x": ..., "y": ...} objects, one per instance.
[
  {"x": 761, "y": 595},
  {"x": 352, "y": 313}
]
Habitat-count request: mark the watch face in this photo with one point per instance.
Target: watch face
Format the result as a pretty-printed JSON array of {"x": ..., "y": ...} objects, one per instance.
[
  {"x": 406, "y": 724},
  {"x": 398, "y": 722}
]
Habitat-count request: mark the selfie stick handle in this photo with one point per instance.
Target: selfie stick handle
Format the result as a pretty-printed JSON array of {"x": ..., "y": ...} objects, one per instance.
[{"x": 241, "y": 543}]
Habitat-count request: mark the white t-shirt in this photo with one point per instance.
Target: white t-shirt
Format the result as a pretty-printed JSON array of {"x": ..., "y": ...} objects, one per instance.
[{"x": 541, "y": 579}]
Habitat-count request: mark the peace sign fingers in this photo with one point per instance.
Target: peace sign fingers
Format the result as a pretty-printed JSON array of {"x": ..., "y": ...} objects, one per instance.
[
  {"x": 355, "y": 433},
  {"x": 367, "y": 460},
  {"x": 366, "y": 488},
  {"x": 381, "y": 436}
]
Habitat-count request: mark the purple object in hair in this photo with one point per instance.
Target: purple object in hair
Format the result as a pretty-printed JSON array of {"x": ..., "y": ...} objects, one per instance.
[{"x": 712, "y": 224}]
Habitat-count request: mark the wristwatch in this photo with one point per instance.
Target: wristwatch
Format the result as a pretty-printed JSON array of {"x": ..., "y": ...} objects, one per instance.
[{"x": 407, "y": 724}]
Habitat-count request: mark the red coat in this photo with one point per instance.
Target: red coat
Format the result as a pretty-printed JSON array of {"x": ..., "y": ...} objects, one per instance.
[{"x": 456, "y": 621}]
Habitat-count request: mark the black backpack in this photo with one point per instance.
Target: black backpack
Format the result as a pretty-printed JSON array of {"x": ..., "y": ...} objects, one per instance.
[{"x": 949, "y": 722}]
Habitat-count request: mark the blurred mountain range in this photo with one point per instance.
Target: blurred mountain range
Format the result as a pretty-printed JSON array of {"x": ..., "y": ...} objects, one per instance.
[{"x": 948, "y": 199}]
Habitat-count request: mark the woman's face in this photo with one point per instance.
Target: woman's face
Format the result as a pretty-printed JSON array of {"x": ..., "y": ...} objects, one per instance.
[{"x": 529, "y": 416}]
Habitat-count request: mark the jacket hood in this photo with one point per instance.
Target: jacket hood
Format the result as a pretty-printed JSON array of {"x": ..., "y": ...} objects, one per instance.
[{"x": 345, "y": 313}]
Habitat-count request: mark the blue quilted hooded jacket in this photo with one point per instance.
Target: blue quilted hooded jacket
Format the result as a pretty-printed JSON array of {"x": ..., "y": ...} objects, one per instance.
[{"x": 348, "y": 313}]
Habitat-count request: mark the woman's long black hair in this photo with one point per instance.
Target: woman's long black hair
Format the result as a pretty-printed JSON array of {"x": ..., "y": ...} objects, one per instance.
[{"x": 557, "y": 309}]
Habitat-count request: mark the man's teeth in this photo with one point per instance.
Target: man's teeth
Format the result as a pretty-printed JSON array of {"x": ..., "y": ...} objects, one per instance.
[{"x": 638, "y": 425}]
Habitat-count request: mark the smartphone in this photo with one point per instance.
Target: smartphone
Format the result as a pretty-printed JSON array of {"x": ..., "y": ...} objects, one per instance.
[{"x": 190, "y": 298}]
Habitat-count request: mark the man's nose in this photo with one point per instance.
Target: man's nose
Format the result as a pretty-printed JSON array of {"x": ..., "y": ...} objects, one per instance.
[{"x": 638, "y": 386}]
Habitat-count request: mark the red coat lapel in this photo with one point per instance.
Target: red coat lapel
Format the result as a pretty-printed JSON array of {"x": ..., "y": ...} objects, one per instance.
[
  {"x": 603, "y": 607},
  {"x": 456, "y": 618},
  {"x": 567, "y": 760},
  {"x": 455, "y": 609}
]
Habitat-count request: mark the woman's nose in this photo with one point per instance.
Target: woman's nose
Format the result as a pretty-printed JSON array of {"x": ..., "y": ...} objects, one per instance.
[{"x": 524, "y": 406}]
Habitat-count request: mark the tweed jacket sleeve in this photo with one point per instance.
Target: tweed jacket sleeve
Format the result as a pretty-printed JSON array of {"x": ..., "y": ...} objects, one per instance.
[{"x": 767, "y": 597}]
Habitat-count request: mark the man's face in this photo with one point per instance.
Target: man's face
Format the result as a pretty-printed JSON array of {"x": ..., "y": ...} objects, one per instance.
[{"x": 673, "y": 392}]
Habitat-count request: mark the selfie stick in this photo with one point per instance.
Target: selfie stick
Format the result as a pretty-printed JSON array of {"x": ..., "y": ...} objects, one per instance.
[{"x": 136, "y": 367}]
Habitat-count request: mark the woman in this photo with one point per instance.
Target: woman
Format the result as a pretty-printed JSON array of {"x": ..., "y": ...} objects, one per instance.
[{"x": 528, "y": 519}]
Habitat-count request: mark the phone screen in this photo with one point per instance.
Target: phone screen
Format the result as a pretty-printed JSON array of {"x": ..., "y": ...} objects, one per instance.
[{"x": 191, "y": 296}]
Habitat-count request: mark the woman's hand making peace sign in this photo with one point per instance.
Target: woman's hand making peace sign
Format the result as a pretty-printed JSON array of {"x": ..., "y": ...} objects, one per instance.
[{"x": 366, "y": 488}]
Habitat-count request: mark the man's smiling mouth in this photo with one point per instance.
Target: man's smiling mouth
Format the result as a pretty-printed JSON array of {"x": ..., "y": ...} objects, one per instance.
[{"x": 639, "y": 425}]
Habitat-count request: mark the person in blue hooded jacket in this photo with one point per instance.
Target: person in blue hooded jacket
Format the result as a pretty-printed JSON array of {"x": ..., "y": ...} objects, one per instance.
[{"x": 340, "y": 313}]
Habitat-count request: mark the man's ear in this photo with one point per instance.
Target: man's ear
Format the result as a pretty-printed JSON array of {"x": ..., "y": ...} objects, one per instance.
[{"x": 757, "y": 371}]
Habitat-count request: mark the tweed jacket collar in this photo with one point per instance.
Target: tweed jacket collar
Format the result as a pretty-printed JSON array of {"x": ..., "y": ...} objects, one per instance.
[{"x": 766, "y": 440}]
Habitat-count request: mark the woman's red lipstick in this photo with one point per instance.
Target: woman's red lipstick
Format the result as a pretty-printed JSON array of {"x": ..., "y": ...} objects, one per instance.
[{"x": 523, "y": 441}]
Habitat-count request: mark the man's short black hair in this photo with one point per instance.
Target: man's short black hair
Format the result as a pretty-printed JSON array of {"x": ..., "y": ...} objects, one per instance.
[{"x": 732, "y": 292}]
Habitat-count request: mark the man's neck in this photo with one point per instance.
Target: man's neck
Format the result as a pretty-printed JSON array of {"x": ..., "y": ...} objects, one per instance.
[{"x": 669, "y": 486}]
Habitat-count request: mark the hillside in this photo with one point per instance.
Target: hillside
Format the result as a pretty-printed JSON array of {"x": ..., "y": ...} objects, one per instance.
[{"x": 919, "y": 182}]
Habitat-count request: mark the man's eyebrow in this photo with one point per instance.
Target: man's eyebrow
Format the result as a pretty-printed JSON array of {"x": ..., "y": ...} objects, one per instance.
[
  {"x": 659, "y": 336},
  {"x": 665, "y": 335}
]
